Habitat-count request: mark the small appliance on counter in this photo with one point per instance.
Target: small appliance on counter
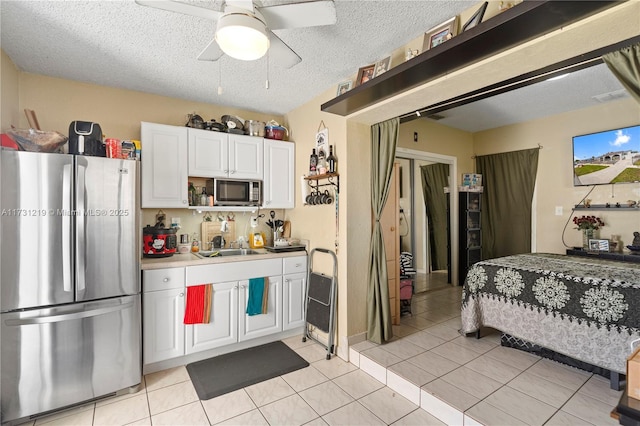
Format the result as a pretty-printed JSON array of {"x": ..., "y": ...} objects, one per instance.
[{"x": 158, "y": 241}]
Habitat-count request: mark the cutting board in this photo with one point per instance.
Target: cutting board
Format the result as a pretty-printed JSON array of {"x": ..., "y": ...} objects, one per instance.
[{"x": 212, "y": 229}]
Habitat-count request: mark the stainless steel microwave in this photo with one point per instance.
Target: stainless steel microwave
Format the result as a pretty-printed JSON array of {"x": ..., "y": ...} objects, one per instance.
[{"x": 237, "y": 192}]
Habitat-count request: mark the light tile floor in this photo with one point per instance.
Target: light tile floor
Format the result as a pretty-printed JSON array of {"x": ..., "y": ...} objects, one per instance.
[{"x": 428, "y": 375}]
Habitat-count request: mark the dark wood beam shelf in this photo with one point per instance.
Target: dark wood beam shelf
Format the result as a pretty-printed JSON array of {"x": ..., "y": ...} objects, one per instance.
[{"x": 521, "y": 23}]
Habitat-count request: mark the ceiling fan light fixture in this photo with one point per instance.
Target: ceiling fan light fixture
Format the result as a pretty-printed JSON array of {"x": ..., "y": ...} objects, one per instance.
[{"x": 242, "y": 36}]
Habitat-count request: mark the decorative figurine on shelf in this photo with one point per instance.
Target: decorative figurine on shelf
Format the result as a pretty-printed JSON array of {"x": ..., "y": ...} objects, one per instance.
[
  {"x": 587, "y": 202},
  {"x": 631, "y": 203},
  {"x": 636, "y": 239}
]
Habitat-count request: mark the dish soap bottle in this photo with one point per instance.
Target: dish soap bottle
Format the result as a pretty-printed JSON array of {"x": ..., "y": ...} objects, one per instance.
[{"x": 195, "y": 244}]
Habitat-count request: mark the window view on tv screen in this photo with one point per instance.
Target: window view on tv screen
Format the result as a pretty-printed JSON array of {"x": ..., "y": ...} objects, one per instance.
[{"x": 607, "y": 157}]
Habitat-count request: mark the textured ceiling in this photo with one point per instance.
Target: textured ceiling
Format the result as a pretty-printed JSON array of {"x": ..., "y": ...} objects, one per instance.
[
  {"x": 121, "y": 44},
  {"x": 574, "y": 91}
]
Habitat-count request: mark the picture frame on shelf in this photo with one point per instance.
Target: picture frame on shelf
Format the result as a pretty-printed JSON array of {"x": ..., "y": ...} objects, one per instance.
[
  {"x": 365, "y": 74},
  {"x": 438, "y": 35},
  {"x": 344, "y": 87},
  {"x": 599, "y": 245},
  {"x": 476, "y": 18},
  {"x": 382, "y": 66}
]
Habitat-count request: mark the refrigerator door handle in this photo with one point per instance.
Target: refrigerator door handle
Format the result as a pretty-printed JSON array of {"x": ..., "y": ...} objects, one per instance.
[
  {"x": 67, "y": 266},
  {"x": 80, "y": 228},
  {"x": 68, "y": 316}
]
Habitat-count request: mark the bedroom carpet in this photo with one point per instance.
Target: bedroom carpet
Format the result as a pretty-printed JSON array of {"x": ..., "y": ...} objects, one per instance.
[{"x": 226, "y": 373}]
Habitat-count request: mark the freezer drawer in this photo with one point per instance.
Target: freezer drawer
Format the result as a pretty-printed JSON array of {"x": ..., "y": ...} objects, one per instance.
[{"x": 56, "y": 357}]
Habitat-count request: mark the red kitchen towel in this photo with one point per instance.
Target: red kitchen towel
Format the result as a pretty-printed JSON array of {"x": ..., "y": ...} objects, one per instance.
[{"x": 198, "y": 309}]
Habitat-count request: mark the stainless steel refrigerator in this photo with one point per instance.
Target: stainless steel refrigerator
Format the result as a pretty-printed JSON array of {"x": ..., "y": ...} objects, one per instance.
[{"x": 70, "y": 290}]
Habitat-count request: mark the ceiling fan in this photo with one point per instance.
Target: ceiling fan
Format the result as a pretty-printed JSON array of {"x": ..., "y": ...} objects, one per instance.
[{"x": 244, "y": 30}]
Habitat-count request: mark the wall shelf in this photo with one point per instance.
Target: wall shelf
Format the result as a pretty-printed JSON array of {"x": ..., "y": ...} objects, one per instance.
[
  {"x": 333, "y": 179},
  {"x": 603, "y": 207}
]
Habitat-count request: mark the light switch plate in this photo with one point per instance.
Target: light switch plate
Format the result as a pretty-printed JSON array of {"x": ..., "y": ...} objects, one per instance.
[{"x": 559, "y": 211}]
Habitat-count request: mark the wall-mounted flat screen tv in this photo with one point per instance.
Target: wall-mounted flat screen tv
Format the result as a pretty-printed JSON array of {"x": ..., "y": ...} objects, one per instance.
[{"x": 608, "y": 157}]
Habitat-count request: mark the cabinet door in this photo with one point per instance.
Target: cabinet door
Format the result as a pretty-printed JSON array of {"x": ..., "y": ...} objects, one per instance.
[
  {"x": 246, "y": 157},
  {"x": 250, "y": 327},
  {"x": 223, "y": 327},
  {"x": 163, "y": 325},
  {"x": 208, "y": 153},
  {"x": 293, "y": 300},
  {"x": 279, "y": 168},
  {"x": 389, "y": 222},
  {"x": 164, "y": 166}
]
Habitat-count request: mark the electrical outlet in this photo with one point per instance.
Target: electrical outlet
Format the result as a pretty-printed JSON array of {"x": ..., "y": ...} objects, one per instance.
[
  {"x": 559, "y": 211},
  {"x": 254, "y": 222}
]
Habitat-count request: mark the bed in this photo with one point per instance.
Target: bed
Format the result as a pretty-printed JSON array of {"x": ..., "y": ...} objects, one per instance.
[{"x": 585, "y": 308}]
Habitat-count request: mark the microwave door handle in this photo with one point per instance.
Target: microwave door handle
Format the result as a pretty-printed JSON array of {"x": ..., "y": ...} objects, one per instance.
[
  {"x": 80, "y": 228},
  {"x": 67, "y": 261}
]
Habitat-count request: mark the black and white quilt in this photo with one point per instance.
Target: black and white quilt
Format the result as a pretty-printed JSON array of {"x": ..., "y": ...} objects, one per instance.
[{"x": 585, "y": 308}]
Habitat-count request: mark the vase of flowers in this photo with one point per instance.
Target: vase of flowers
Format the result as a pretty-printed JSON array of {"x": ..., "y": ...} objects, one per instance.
[{"x": 589, "y": 225}]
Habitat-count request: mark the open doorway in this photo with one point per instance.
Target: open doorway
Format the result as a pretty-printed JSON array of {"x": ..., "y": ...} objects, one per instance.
[{"x": 414, "y": 228}]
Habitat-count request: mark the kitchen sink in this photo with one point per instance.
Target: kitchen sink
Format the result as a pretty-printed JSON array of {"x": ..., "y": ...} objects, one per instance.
[{"x": 225, "y": 252}]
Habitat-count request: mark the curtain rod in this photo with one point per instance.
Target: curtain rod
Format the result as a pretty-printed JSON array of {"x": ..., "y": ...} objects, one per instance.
[{"x": 473, "y": 157}]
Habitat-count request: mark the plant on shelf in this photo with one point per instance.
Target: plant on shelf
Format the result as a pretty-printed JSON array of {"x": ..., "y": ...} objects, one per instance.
[{"x": 588, "y": 225}]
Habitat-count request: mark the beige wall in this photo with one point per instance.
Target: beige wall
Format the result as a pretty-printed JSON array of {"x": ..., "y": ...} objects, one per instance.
[
  {"x": 554, "y": 185},
  {"x": 58, "y": 102},
  {"x": 438, "y": 139},
  {"x": 317, "y": 223},
  {"x": 9, "y": 93}
]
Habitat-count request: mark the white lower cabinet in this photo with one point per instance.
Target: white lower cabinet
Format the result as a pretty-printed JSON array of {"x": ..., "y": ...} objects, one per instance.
[
  {"x": 163, "y": 314},
  {"x": 254, "y": 326},
  {"x": 222, "y": 329},
  {"x": 165, "y": 334},
  {"x": 293, "y": 294}
]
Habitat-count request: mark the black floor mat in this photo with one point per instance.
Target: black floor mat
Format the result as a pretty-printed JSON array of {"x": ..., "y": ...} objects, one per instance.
[{"x": 226, "y": 373}]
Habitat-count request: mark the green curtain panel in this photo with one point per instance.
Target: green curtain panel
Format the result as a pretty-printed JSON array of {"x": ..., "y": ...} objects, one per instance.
[
  {"x": 384, "y": 138},
  {"x": 625, "y": 65},
  {"x": 434, "y": 178},
  {"x": 509, "y": 179}
]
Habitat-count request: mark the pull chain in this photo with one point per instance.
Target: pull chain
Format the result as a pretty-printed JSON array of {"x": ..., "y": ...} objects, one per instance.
[
  {"x": 219, "y": 77},
  {"x": 266, "y": 84}
]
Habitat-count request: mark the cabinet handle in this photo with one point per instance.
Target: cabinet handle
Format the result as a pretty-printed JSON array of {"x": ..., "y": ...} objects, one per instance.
[
  {"x": 181, "y": 295},
  {"x": 298, "y": 265},
  {"x": 287, "y": 281},
  {"x": 184, "y": 201},
  {"x": 226, "y": 171},
  {"x": 267, "y": 203},
  {"x": 243, "y": 286},
  {"x": 166, "y": 279},
  {"x": 235, "y": 287},
  {"x": 233, "y": 172},
  {"x": 392, "y": 229}
]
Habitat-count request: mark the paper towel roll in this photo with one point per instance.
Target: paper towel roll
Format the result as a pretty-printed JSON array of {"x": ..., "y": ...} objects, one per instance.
[{"x": 304, "y": 186}]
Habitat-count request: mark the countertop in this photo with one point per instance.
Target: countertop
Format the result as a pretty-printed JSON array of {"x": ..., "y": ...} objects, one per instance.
[{"x": 190, "y": 259}]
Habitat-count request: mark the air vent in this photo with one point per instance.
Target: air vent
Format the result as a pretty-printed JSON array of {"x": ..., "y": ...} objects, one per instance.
[
  {"x": 435, "y": 117},
  {"x": 611, "y": 96}
]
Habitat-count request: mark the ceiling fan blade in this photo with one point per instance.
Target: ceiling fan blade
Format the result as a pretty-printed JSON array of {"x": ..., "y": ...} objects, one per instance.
[
  {"x": 281, "y": 54},
  {"x": 212, "y": 52},
  {"x": 299, "y": 15},
  {"x": 179, "y": 7}
]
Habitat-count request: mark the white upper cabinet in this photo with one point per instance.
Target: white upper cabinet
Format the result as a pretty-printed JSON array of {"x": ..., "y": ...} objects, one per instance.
[
  {"x": 164, "y": 166},
  {"x": 215, "y": 154},
  {"x": 246, "y": 157},
  {"x": 208, "y": 153},
  {"x": 279, "y": 169}
]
